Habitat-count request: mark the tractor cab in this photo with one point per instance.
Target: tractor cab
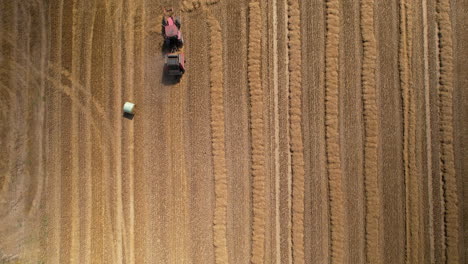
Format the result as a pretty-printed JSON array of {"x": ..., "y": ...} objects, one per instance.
[{"x": 171, "y": 30}]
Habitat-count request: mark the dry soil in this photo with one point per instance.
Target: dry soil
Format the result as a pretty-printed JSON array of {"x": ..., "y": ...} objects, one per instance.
[{"x": 302, "y": 132}]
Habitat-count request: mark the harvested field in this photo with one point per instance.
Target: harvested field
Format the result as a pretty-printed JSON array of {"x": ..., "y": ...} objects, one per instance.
[{"x": 301, "y": 132}]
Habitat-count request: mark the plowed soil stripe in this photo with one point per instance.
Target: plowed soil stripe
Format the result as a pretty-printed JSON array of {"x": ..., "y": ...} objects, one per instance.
[
  {"x": 295, "y": 126},
  {"x": 373, "y": 192},
  {"x": 218, "y": 140},
  {"x": 447, "y": 163},
  {"x": 257, "y": 133},
  {"x": 331, "y": 132}
]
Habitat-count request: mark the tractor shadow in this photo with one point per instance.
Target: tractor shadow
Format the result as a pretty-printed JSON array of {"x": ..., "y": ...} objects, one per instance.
[
  {"x": 128, "y": 116},
  {"x": 169, "y": 80}
]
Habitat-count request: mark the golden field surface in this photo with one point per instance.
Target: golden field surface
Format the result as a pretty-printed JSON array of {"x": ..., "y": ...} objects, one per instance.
[{"x": 313, "y": 131}]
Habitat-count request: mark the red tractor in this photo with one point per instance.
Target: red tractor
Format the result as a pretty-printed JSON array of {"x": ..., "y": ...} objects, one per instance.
[
  {"x": 174, "y": 62},
  {"x": 173, "y": 39}
]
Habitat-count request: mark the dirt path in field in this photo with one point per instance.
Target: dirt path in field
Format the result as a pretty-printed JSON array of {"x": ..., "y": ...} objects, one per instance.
[{"x": 301, "y": 132}]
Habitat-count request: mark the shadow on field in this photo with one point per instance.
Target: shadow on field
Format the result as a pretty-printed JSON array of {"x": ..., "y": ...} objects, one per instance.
[
  {"x": 128, "y": 116},
  {"x": 170, "y": 80}
]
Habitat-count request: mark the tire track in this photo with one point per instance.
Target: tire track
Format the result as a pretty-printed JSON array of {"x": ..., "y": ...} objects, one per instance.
[
  {"x": 67, "y": 141},
  {"x": 122, "y": 249},
  {"x": 178, "y": 184},
  {"x": 34, "y": 116},
  {"x": 5, "y": 116},
  {"x": 238, "y": 140},
  {"x": 200, "y": 157},
  {"x": 53, "y": 123},
  {"x": 129, "y": 222},
  {"x": 6, "y": 72},
  {"x": 75, "y": 63},
  {"x": 446, "y": 129},
  {"x": 33, "y": 76},
  {"x": 108, "y": 253},
  {"x": 70, "y": 82},
  {"x": 114, "y": 14},
  {"x": 98, "y": 183},
  {"x": 428, "y": 128},
  {"x": 414, "y": 252},
  {"x": 81, "y": 74},
  {"x": 285, "y": 155},
  {"x": 111, "y": 207},
  {"x": 218, "y": 141},
  {"x": 153, "y": 241},
  {"x": 295, "y": 126},
  {"x": 332, "y": 136},
  {"x": 40, "y": 109},
  {"x": 257, "y": 133},
  {"x": 276, "y": 120},
  {"x": 25, "y": 144},
  {"x": 7, "y": 100},
  {"x": 84, "y": 97},
  {"x": 10, "y": 211},
  {"x": 44, "y": 62},
  {"x": 371, "y": 177},
  {"x": 68, "y": 92},
  {"x": 21, "y": 171},
  {"x": 19, "y": 174}
]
